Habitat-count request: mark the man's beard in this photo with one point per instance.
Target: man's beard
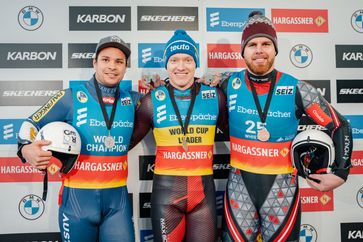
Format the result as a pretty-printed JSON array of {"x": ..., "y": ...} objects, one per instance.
[{"x": 260, "y": 70}]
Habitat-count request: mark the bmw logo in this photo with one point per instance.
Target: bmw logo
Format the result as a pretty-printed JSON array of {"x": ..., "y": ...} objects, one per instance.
[
  {"x": 360, "y": 197},
  {"x": 357, "y": 21},
  {"x": 30, "y": 18},
  {"x": 31, "y": 207},
  {"x": 301, "y": 56},
  {"x": 308, "y": 233}
]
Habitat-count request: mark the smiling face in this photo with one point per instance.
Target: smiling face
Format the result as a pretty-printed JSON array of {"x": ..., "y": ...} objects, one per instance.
[
  {"x": 110, "y": 66},
  {"x": 259, "y": 55},
  {"x": 181, "y": 69}
]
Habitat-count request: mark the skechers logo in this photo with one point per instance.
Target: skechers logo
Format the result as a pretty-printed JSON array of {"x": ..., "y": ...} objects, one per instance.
[
  {"x": 163, "y": 18},
  {"x": 351, "y": 91},
  {"x": 88, "y": 55}
]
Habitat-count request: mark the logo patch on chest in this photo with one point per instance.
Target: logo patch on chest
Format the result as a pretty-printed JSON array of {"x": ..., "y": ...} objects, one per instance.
[{"x": 284, "y": 90}]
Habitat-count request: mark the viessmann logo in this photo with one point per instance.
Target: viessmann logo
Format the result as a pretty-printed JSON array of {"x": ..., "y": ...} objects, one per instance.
[
  {"x": 27, "y": 93},
  {"x": 167, "y": 18},
  {"x": 31, "y": 55},
  {"x": 349, "y": 56},
  {"x": 225, "y": 56},
  {"x": 350, "y": 91},
  {"x": 300, "y": 20},
  {"x": 228, "y": 19},
  {"x": 99, "y": 18}
]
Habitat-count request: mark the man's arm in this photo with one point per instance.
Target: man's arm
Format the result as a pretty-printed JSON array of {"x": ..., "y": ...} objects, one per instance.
[
  {"x": 222, "y": 122},
  {"x": 310, "y": 102},
  {"x": 143, "y": 120}
]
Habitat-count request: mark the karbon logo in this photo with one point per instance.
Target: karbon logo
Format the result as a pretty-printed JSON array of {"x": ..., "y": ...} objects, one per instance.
[
  {"x": 30, "y": 18},
  {"x": 349, "y": 56},
  {"x": 351, "y": 232},
  {"x": 357, "y": 21},
  {"x": 31, "y": 207},
  {"x": 31, "y": 55},
  {"x": 301, "y": 56},
  {"x": 99, "y": 18}
]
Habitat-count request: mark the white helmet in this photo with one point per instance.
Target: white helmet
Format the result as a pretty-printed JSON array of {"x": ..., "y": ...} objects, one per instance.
[
  {"x": 66, "y": 143},
  {"x": 312, "y": 152}
]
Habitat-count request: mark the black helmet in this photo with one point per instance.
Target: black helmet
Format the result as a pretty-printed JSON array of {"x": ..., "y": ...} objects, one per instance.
[{"x": 312, "y": 152}]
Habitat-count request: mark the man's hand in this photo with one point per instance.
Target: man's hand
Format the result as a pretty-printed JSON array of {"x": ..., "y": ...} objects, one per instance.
[
  {"x": 151, "y": 81},
  {"x": 211, "y": 80},
  {"x": 327, "y": 182},
  {"x": 35, "y": 155}
]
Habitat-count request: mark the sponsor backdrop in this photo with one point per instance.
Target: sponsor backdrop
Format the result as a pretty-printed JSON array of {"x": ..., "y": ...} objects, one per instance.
[{"x": 45, "y": 46}]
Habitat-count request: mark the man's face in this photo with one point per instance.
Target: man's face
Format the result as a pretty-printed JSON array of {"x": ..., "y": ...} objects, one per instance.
[
  {"x": 259, "y": 55},
  {"x": 181, "y": 70},
  {"x": 110, "y": 66}
]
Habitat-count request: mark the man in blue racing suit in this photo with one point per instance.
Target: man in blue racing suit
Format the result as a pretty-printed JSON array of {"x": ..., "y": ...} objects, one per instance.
[{"x": 94, "y": 203}]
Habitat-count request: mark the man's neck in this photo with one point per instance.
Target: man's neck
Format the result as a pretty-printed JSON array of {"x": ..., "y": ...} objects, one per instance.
[{"x": 262, "y": 78}]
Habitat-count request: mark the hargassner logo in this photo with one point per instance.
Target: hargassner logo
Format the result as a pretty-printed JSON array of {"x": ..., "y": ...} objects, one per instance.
[
  {"x": 228, "y": 19},
  {"x": 27, "y": 93},
  {"x": 350, "y": 91},
  {"x": 323, "y": 87},
  {"x": 80, "y": 55},
  {"x": 349, "y": 56},
  {"x": 301, "y": 56},
  {"x": 357, "y": 162},
  {"x": 300, "y": 20},
  {"x": 225, "y": 56},
  {"x": 9, "y": 129},
  {"x": 351, "y": 232},
  {"x": 30, "y": 18},
  {"x": 357, "y": 21},
  {"x": 31, "y": 55},
  {"x": 356, "y": 124},
  {"x": 167, "y": 18},
  {"x": 151, "y": 55},
  {"x": 99, "y": 18}
]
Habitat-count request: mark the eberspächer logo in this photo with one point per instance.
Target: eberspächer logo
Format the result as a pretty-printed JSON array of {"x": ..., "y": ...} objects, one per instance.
[
  {"x": 30, "y": 18},
  {"x": 301, "y": 56},
  {"x": 308, "y": 233},
  {"x": 357, "y": 21},
  {"x": 31, "y": 207}
]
